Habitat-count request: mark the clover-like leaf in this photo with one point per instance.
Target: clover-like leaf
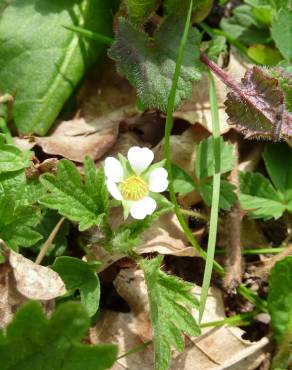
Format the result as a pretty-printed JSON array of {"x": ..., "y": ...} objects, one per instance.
[
  {"x": 80, "y": 275},
  {"x": 85, "y": 202},
  {"x": 170, "y": 301},
  {"x": 34, "y": 342},
  {"x": 257, "y": 107},
  {"x": 149, "y": 63}
]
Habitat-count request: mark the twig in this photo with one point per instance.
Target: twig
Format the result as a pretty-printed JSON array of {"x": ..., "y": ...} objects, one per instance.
[
  {"x": 49, "y": 241},
  {"x": 233, "y": 275}
]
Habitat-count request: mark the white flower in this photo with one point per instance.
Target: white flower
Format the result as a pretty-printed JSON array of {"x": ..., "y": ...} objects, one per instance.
[{"x": 133, "y": 181}]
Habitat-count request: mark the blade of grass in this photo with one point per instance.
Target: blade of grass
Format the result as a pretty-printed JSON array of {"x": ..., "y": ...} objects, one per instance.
[
  {"x": 248, "y": 294},
  {"x": 215, "y": 198},
  {"x": 90, "y": 35},
  {"x": 168, "y": 127}
]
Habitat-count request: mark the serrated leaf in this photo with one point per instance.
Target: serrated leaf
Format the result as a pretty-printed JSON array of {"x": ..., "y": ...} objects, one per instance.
[
  {"x": 257, "y": 107},
  {"x": 43, "y": 61},
  {"x": 227, "y": 195},
  {"x": 17, "y": 223},
  {"x": 12, "y": 158},
  {"x": 258, "y": 196},
  {"x": 78, "y": 274},
  {"x": 280, "y": 298},
  {"x": 34, "y": 342},
  {"x": 170, "y": 300},
  {"x": 149, "y": 63},
  {"x": 23, "y": 191},
  {"x": 182, "y": 181},
  {"x": 205, "y": 163},
  {"x": 282, "y": 32},
  {"x": 84, "y": 202},
  {"x": 140, "y": 10}
]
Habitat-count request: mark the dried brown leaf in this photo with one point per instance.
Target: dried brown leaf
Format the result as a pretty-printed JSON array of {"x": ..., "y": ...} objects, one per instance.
[
  {"x": 76, "y": 138},
  {"x": 216, "y": 349},
  {"x": 34, "y": 281}
]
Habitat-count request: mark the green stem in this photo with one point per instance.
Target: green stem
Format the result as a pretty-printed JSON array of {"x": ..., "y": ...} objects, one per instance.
[
  {"x": 194, "y": 214},
  {"x": 138, "y": 348},
  {"x": 242, "y": 319},
  {"x": 255, "y": 251},
  {"x": 215, "y": 198},
  {"x": 91, "y": 35}
]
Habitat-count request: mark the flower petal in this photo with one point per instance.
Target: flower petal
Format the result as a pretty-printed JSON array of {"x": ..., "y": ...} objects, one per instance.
[
  {"x": 140, "y": 209},
  {"x": 158, "y": 180},
  {"x": 114, "y": 190},
  {"x": 140, "y": 158},
  {"x": 113, "y": 169}
]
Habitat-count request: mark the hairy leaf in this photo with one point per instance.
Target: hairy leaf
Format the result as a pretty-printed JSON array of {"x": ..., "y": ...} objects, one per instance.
[
  {"x": 85, "y": 202},
  {"x": 34, "y": 342},
  {"x": 12, "y": 158},
  {"x": 17, "y": 223},
  {"x": 258, "y": 196},
  {"x": 149, "y": 63},
  {"x": 182, "y": 181},
  {"x": 170, "y": 300},
  {"x": 140, "y": 10},
  {"x": 257, "y": 107},
  {"x": 42, "y": 61},
  {"x": 78, "y": 274}
]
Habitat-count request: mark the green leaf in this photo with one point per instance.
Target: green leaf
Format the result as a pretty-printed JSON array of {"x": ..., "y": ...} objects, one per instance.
[
  {"x": 140, "y": 10},
  {"x": 34, "y": 342},
  {"x": 278, "y": 161},
  {"x": 244, "y": 26},
  {"x": 170, "y": 301},
  {"x": 280, "y": 298},
  {"x": 24, "y": 191},
  {"x": 78, "y": 274},
  {"x": 227, "y": 195},
  {"x": 182, "y": 181},
  {"x": 149, "y": 63},
  {"x": 205, "y": 163},
  {"x": 17, "y": 223},
  {"x": 258, "y": 196},
  {"x": 282, "y": 32},
  {"x": 84, "y": 202},
  {"x": 43, "y": 61},
  {"x": 12, "y": 158},
  {"x": 265, "y": 55}
]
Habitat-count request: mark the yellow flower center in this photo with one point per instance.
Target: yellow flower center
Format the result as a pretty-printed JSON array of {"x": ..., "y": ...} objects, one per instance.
[{"x": 134, "y": 188}]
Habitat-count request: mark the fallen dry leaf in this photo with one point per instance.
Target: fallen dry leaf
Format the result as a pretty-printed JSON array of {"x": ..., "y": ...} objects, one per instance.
[
  {"x": 34, "y": 281},
  {"x": 77, "y": 138},
  {"x": 216, "y": 349},
  {"x": 198, "y": 109}
]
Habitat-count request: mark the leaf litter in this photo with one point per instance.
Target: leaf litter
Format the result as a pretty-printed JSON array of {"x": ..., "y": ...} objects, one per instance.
[{"x": 107, "y": 123}]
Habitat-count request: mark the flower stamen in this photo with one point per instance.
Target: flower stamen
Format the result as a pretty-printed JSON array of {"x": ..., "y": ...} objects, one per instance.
[{"x": 134, "y": 188}]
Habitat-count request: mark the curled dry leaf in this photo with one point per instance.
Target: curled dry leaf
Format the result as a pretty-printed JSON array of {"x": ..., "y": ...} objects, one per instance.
[
  {"x": 198, "y": 109},
  {"x": 34, "y": 281},
  {"x": 77, "y": 138},
  {"x": 216, "y": 349}
]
